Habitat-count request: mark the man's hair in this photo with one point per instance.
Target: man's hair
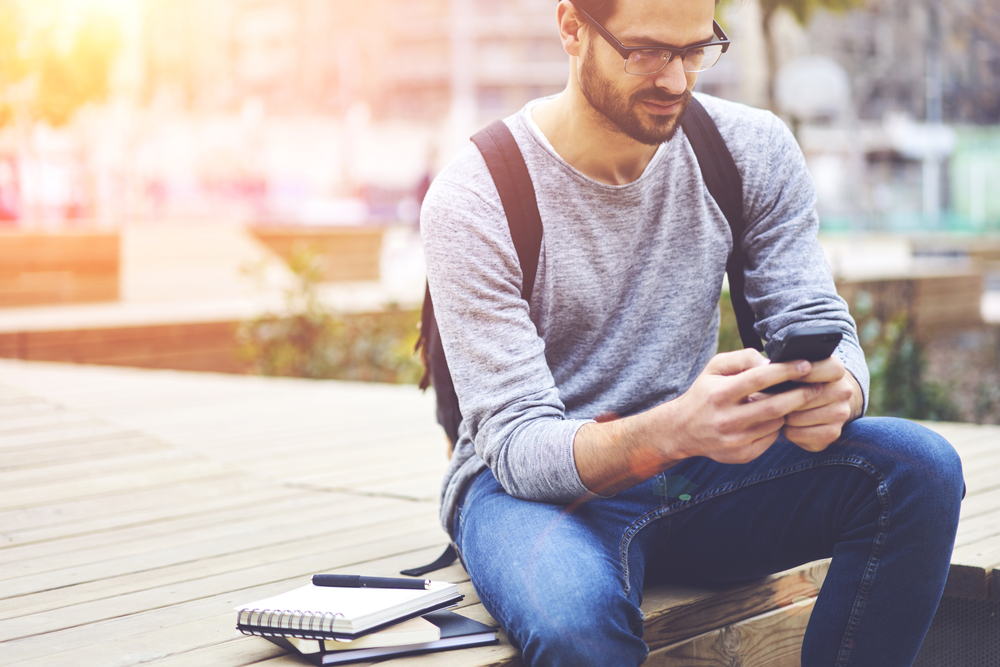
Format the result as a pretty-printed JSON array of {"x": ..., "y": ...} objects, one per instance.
[{"x": 601, "y": 10}]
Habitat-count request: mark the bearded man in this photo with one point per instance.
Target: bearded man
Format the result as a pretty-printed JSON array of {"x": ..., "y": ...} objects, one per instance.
[{"x": 561, "y": 517}]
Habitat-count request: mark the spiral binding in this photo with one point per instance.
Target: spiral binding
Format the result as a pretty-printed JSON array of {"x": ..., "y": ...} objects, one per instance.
[{"x": 286, "y": 623}]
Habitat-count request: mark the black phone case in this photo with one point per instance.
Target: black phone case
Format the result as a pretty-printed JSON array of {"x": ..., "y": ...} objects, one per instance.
[{"x": 809, "y": 343}]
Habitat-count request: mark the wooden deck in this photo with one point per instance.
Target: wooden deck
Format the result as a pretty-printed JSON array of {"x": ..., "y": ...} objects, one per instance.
[{"x": 138, "y": 507}]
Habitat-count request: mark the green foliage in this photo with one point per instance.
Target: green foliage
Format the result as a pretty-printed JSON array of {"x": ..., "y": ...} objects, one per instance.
[
  {"x": 48, "y": 68},
  {"x": 899, "y": 383},
  {"x": 729, "y": 333},
  {"x": 310, "y": 341},
  {"x": 803, "y": 10},
  {"x": 69, "y": 80},
  {"x": 897, "y": 361}
]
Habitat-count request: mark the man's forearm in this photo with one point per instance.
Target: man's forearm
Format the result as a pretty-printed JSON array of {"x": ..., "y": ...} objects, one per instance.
[{"x": 615, "y": 455}]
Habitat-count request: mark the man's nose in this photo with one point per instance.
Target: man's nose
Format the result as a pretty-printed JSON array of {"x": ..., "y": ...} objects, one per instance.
[{"x": 672, "y": 78}]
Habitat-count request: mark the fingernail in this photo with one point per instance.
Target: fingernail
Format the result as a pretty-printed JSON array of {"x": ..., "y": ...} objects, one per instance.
[{"x": 803, "y": 366}]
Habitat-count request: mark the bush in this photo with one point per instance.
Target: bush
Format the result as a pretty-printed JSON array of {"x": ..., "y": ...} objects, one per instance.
[
  {"x": 897, "y": 362},
  {"x": 311, "y": 341}
]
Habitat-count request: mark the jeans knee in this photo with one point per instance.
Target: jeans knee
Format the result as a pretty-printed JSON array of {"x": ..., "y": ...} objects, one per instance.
[
  {"x": 584, "y": 637},
  {"x": 918, "y": 464}
]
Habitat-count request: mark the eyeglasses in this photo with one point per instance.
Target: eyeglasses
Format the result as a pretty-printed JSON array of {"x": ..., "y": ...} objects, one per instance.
[{"x": 642, "y": 60}]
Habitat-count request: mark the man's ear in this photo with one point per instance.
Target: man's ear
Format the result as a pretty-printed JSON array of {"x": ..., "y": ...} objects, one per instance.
[{"x": 570, "y": 25}]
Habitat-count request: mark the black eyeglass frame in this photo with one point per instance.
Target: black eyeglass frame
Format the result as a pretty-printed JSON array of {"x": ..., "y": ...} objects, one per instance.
[{"x": 627, "y": 51}]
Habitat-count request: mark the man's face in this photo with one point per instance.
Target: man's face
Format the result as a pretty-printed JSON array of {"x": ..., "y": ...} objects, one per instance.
[{"x": 645, "y": 108}]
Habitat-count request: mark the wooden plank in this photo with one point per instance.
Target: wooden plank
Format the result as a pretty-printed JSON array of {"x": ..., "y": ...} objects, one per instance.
[
  {"x": 156, "y": 457},
  {"x": 83, "y": 514},
  {"x": 984, "y": 554},
  {"x": 977, "y": 504},
  {"x": 310, "y": 529},
  {"x": 360, "y": 450},
  {"x": 58, "y": 287},
  {"x": 983, "y": 477},
  {"x": 70, "y": 433},
  {"x": 189, "y": 471},
  {"x": 977, "y": 529},
  {"x": 39, "y": 268},
  {"x": 968, "y": 581},
  {"x": 14, "y": 406},
  {"x": 39, "y": 251},
  {"x": 51, "y": 418},
  {"x": 972, "y": 455},
  {"x": 773, "y": 639},
  {"x": 189, "y": 504},
  {"x": 677, "y": 612},
  {"x": 206, "y": 346},
  {"x": 972, "y": 570},
  {"x": 939, "y": 303},
  {"x": 71, "y": 452},
  {"x": 229, "y": 515},
  {"x": 347, "y": 253}
]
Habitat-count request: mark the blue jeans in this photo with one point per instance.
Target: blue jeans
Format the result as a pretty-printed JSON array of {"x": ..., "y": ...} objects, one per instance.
[{"x": 566, "y": 582}]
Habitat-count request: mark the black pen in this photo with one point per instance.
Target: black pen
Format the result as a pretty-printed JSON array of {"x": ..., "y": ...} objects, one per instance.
[{"x": 357, "y": 581}]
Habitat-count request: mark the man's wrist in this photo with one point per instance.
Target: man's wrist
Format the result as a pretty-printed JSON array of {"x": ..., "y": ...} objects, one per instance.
[
  {"x": 615, "y": 455},
  {"x": 857, "y": 397}
]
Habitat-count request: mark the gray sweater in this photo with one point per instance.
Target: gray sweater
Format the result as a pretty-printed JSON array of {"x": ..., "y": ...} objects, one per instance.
[{"x": 624, "y": 312}]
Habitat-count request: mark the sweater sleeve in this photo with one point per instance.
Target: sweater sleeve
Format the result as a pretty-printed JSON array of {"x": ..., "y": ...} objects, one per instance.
[
  {"x": 510, "y": 405},
  {"x": 788, "y": 280}
]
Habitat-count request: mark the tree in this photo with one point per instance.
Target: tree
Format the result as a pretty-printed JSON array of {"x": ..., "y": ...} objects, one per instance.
[{"x": 49, "y": 69}]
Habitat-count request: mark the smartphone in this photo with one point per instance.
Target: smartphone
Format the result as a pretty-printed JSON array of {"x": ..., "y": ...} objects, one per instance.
[{"x": 809, "y": 343}]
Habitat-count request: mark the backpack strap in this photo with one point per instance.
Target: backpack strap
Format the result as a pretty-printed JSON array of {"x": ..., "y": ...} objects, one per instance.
[
  {"x": 517, "y": 194},
  {"x": 449, "y": 556},
  {"x": 725, "y": 184}
]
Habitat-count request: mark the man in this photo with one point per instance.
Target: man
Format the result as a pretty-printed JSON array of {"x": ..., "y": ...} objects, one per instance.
[{"x": 561, "y": 514}]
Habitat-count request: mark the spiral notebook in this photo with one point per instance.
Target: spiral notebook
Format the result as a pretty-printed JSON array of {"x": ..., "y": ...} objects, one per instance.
[{"x": 325, "y": 612}]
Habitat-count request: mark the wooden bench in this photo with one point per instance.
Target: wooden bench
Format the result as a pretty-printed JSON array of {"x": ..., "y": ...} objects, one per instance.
[
  {"x": 64, "y": 267},
  {"x": 940, "y": 303},
  {"x": 347, "y": 253},
  {"x": 139, "y": 507},
  {"x": 188, "y": 346}
]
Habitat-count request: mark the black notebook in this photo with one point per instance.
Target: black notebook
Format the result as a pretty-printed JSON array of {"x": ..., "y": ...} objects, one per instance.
[
  {"x": 326, "y": 612},
  {"x": 457, "y": 631}
]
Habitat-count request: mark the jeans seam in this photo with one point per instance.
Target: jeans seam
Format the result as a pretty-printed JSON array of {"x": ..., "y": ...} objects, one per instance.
[
  {"x": 633, "y": 529},
  {"x": 630, "y": 533},
  {"x": 866, "y": 582}
]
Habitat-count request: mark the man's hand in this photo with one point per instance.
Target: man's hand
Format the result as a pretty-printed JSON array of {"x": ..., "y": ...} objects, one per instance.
[
  {"x": 816, "y": 425},
  {"x": 723, "y": 416}
]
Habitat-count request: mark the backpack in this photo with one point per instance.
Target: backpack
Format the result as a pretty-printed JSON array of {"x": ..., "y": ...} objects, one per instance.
[{"x": 517, "y": 194}]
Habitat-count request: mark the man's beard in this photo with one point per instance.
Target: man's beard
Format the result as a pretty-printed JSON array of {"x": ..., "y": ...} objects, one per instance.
[{"x": 622, "y": 115}]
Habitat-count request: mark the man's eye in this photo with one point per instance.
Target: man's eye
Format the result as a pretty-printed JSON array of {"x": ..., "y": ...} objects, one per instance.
[
  {"x": 649, "y": 56},
  {"x": 694, "y": 58}
]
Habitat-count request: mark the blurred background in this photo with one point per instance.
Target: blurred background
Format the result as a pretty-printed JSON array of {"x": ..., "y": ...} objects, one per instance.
[{"x": 234, "y": 185}]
